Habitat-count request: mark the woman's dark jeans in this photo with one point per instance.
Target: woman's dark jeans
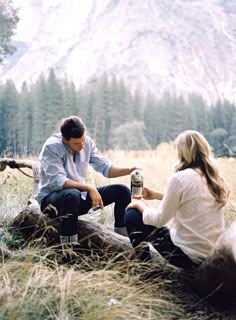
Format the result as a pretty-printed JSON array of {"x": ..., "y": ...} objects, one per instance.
[
  {"x": 139, "y": 233},
  {"x": 70, "y": 205}
]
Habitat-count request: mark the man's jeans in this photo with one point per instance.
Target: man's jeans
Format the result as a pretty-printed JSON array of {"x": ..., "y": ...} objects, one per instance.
[{"x": 70, "y": 205}]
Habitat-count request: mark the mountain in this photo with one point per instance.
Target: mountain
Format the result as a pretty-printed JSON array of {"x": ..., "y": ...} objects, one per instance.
[{"x": 182, "y": 46}]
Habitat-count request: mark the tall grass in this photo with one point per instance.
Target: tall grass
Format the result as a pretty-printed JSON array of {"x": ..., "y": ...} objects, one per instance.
[
  {"x": 35, "y": 285},
  {"x": 35, "y": 291}
]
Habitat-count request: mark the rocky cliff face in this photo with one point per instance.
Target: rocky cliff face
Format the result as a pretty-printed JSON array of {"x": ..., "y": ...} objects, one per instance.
[{"x": 181, "y": 46}]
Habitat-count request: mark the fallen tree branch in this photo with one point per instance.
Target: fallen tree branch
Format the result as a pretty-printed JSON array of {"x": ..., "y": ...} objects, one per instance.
[
  {"x": 34, "y": 224},
  {"x": 18, "y": 164},
  {"x": 15, "y": 164},
  {"x": 24, "y": 173}
]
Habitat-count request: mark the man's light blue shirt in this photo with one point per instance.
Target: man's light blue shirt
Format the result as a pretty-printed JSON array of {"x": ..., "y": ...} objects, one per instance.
[{"x": 58, "y": 164}]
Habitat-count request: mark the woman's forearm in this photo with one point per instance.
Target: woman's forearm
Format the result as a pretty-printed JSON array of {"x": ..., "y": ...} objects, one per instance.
[{"x": 159, "y": 195}]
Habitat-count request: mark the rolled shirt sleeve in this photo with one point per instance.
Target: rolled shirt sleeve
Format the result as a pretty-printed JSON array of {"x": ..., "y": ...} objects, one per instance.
[{"x": 168, "y": 207}]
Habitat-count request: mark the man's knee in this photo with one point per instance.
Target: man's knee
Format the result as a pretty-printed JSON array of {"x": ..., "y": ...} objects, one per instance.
[
  {"x": 72, "y": 197},
  {"x": 124, "y": 191}
]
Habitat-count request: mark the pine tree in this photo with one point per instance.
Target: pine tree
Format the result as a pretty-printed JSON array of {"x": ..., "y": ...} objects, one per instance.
[
  {"x": 151, "y": 121},
  {"x": 53, "y": 109},
  {"x": 99, "y": 111},
  {"x": 25, "y": 121},
  {"x": 121, "y": 104},
  {"x": 232, "y": 132},
  {"x": 203, "y": 123},
  {"x": 10, "y": 117},
  {"x": 138, "y": 105},
  {"x": 39, "y": 107},
  {"x": 70, "y": 102},
  {"x": 2, "y": 122}
]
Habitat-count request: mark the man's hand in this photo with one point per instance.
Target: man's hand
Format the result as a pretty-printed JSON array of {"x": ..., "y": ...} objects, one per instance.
[
  {"x": 134, "y": 168},
  {"x": 95, "y": 197},
  {"x": 117, "y": 171}
]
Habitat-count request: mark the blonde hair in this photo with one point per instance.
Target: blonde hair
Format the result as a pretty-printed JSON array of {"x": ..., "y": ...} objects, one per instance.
[{"x": 195, "y": 152}]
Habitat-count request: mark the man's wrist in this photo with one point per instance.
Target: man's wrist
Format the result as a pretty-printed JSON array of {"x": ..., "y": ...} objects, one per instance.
[
  {"x": 131, "y": 170},
  {"x": 89, "y": 187}
]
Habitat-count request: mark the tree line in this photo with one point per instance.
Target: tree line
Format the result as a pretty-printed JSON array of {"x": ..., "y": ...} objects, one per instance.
[{"x": 114, "y": 116}]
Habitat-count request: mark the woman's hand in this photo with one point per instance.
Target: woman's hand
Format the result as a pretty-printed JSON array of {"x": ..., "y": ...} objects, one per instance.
[
  {"x": 139, "y": 205},
  {"x": 148, "y": 194}
]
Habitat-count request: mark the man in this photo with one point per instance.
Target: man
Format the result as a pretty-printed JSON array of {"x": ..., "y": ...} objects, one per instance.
[{"x": 64, "y": 159}]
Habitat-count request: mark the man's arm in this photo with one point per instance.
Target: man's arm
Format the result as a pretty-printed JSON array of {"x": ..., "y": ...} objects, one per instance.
[
  {"x": 118, "y": 171},
  {"x": 101, "y": 164},
  {"x": 94, "y": 194},
  {"x": 77, "y": 185}
]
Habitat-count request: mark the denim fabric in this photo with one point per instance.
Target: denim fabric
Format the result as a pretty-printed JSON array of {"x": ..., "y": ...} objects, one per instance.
[
  {"x": 70, "y": 204},
  {"x": 139, "y": 233}
]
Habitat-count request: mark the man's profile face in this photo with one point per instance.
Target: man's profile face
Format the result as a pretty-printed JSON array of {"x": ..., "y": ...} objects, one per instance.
[{"x": 75, "y": 144}]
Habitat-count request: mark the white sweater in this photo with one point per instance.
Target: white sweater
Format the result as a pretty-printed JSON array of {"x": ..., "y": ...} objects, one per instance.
[{"x": 197, "y": 219}]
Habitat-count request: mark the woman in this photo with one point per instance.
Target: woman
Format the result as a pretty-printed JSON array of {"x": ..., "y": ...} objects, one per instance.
[{"x": 193, "y": 207}]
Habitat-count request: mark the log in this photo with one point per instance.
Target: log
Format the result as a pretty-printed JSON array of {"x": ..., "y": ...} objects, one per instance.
[{"x": 35, "y": 225}]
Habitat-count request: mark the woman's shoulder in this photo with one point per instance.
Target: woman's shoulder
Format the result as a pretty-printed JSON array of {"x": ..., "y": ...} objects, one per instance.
[
  {"x": 185, "y": 175},
  {"x": 183, "y": 179}
]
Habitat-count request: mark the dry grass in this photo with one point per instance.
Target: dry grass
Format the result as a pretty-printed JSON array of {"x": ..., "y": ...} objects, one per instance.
[
  {"x": 35, "y": 290},
  {"x": 15, "y": 189},
  {"x": 35, "y": 286}
]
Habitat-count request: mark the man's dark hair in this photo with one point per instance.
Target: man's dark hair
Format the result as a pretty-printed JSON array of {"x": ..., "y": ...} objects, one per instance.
[{"x": 72, "y": 127}]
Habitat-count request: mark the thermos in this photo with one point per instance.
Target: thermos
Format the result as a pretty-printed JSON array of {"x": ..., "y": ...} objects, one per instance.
[{"x": 136, "y": 184}]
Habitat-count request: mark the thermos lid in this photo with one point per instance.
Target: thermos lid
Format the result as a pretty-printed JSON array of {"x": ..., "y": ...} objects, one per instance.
[{"x": 136, "y": 175}]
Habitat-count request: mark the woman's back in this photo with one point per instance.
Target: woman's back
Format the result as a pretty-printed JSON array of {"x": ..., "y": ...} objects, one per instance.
[{"x": 199, "y": 220}]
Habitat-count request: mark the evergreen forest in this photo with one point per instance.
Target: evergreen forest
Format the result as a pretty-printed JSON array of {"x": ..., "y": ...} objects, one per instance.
[{"x": 115, "y": 117}]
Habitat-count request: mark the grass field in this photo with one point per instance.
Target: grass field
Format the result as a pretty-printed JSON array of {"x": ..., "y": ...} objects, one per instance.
[{"x": 35, "y": 286}]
